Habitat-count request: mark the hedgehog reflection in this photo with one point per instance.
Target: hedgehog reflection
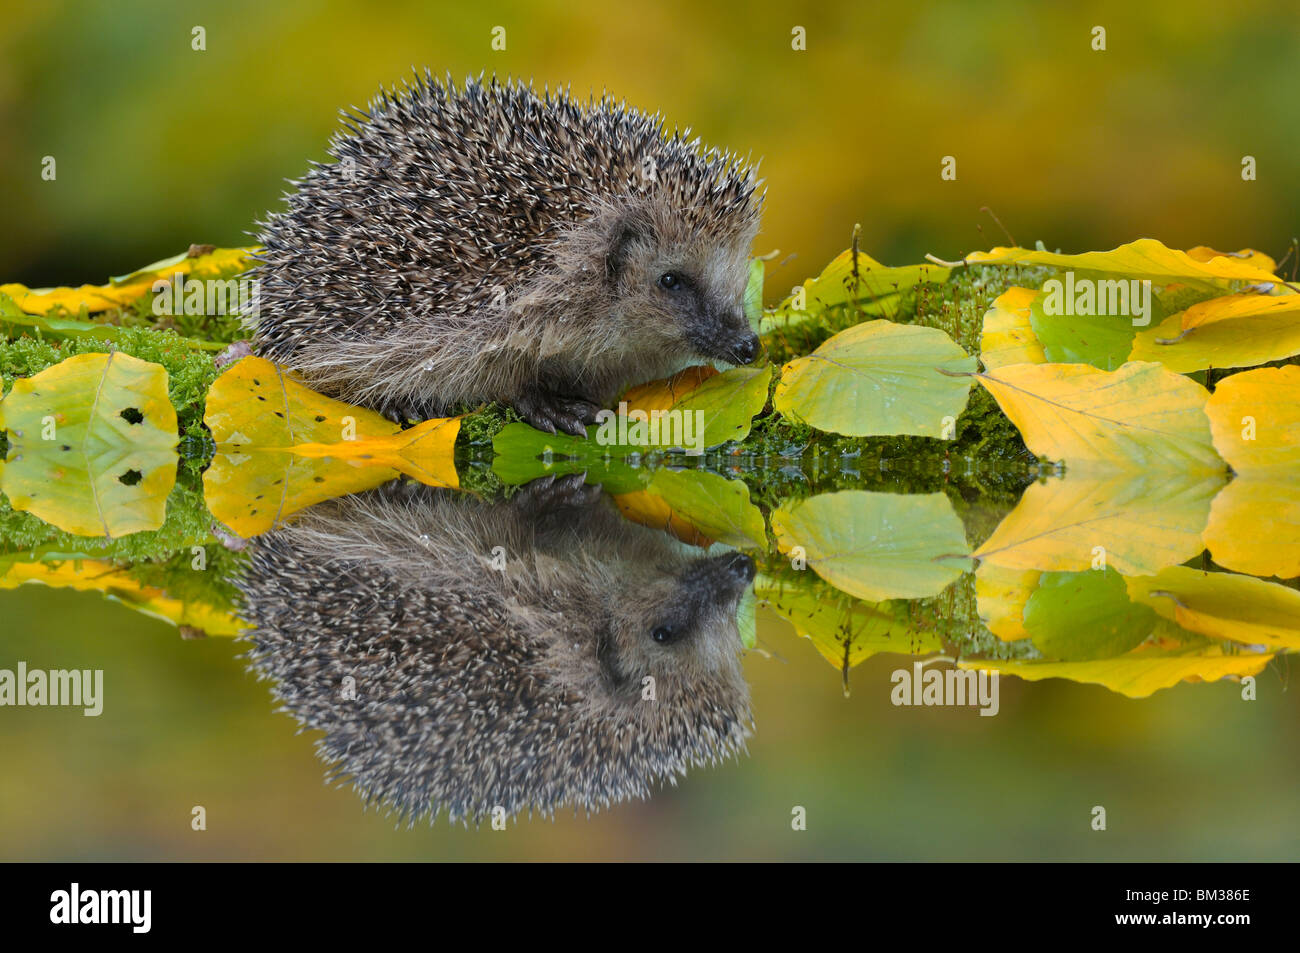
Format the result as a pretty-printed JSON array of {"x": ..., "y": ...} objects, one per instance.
[{"x": 466, "y": 656}]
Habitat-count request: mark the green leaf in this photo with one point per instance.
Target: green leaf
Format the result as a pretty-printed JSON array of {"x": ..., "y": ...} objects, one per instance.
[
  {"x": 689, "y": 503},
  {"x": 876, "y": 545},
  {"x": 727, "y": 403},
  {"x": 879, "y": 378},
  {"x": 1102, "y": 340},
  {"x": 1081, "y": 616}
]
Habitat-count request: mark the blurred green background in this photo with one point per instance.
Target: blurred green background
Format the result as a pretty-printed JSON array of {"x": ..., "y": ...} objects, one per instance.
[{"x": 159, "y": 146}]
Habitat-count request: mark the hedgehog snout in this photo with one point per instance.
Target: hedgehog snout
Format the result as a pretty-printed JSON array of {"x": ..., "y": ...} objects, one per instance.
[
  {"x": 732, "y": 340},
  {"x": 746, "y": 349},
  {"x": 740, "y": 567},
  {"x": 722, "y": 576}
]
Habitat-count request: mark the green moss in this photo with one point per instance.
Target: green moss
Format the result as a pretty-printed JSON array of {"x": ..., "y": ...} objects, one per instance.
[
  {"x": 478, "y": 429},
  {"x": 190, "y": 372}
]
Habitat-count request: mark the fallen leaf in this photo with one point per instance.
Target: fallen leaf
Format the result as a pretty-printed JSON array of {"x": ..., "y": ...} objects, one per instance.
[
  {"x": 727, "y": 404},
  {"x": 1008, "y": 337},
  {"x": 1082, "y": 616},
  {"x": 1237, "y": 333},
  {"x": 1000, "y": 597},
  {"x": 1140, "y": 416},
  {"x": 1102, "y": 340},
  {"x": 851, "y": 279},
  {"x": 1144, "y": 258},
  {"x": 746, "y": 618},
  {"x": 879, "y": 378},
  {"x": 844, "y": 630},
  {"x": 90, "y": 575},
  {"x": 1247, "y": 256},
  {"x": 119, "y": 292},
  {"x": 1255, "y": 418},
  {"x": 282, "y": 447},
  {"x": 697, "y": 507}
]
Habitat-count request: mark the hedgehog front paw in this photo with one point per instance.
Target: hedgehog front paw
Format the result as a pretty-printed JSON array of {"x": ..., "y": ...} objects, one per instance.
[
  {"x": 550, "y": 494},
  {"x": 547, "y": 411}
]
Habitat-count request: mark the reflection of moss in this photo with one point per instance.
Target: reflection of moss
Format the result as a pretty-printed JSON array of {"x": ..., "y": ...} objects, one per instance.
[
  {"x": 951, "y": 616},
  {"x": 158, "y": 557}
]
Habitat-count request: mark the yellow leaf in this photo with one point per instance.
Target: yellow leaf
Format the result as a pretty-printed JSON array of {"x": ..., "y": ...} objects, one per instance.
[
  {"x": 1138, "y": 416},
  {"x": 1254, "y": 524},
  {"x": 651, "y": 509},
  {"x": 1255, "y": 418},
  {"x": 1000, "y": 597},
  {"x": 1008, "y": 337},
  {"x": 1139, "y": 673},
  {"x": 1236, "y": 307},
  {"x": 853, "y": 278},
  {"x": 92, "y": 445},
  {"x": 103, "y": 576},
  {"x": 282, "y": 446},
  {"x": 662, "y": 394},
  {"x": 1134, "y": 521},
  {"x": 423, "y": 452},
  {"x": 1234, "y": 331},
  {"x": 1247, "y": 256},
  {"x": 1144, "y": 258},
  {"x": 1223, "y": 605},
  {"x": 252, "y": 492},
  {"x": 219, "y": 262}
]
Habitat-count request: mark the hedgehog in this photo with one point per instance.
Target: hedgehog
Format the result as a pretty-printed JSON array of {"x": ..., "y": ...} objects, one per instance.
[
  {"x": 490, "y": 243},
  {"x": 485, "y": 658}
]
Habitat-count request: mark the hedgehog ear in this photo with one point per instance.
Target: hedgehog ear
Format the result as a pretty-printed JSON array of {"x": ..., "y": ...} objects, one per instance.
[{"x": 625, "y": 231}]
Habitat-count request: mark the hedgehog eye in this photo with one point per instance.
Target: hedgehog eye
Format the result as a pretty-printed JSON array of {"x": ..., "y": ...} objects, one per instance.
[
  {"x": 669, "y": 281},
  {"x": 663, "y": 635}
]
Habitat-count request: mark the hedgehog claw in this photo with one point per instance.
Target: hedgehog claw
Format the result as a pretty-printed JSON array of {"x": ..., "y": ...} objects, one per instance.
[
  {"x": 572, "y": 425},
  {"x": 550, "y": 494},
  {"x": 547, "y": 412}
]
